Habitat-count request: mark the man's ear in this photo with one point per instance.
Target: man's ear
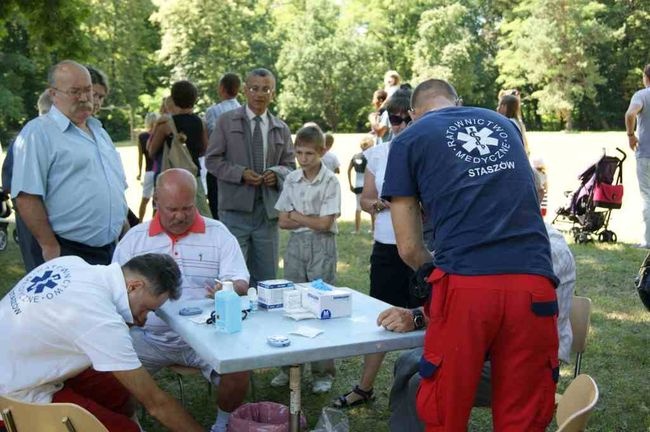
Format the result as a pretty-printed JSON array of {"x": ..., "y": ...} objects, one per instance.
[{"x": 134, "y": 284}]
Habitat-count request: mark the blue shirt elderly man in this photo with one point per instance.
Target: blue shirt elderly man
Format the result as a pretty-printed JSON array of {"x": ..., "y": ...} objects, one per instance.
[{"x": 68, "y": 179}]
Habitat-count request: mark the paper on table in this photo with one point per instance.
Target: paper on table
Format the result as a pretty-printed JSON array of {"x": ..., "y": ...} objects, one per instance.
[
  {"x": 300, "y": 314},
  {"x": 306, "y": 331}
]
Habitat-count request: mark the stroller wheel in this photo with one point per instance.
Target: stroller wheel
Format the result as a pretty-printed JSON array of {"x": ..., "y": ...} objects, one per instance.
[
  {"x": 612, "y": 237},
  {"x": 3, "y": 238},
  {"x": 582, "y": 238}
]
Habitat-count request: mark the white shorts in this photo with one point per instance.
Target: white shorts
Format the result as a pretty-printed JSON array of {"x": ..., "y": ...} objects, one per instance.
[
  {"x": 155, "y": 356},
  {"x": 147, "y": 184}
]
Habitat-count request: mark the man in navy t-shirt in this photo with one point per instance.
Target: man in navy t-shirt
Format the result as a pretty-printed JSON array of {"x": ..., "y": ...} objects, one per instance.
[{"x": 493, "y": 289}]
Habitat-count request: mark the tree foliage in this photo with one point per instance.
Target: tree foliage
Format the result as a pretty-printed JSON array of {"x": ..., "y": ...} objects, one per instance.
[
  {"x": 329, "y": 71},
  {"x": 549, "y": 45},
  {"x": 576, "y": 62}
]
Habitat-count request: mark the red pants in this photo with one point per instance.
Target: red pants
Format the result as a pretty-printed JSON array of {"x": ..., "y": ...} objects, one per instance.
[
  {"x": 510, "y": 318},
  {"x": 101, "y": 394}
]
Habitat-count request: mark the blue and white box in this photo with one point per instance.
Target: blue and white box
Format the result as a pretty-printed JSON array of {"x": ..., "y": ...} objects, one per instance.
[
  {"x": 335, "y": 303},
  {"x": 269, "y": 293}
]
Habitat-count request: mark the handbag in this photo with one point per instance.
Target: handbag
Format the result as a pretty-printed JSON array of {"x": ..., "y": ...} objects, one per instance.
[
  {"x": 608, "y": 196},
  {"x": 176, "y": 154}
]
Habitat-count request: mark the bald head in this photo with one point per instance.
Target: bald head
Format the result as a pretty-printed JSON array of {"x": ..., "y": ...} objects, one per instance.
[
  {"x": 433, "y": 94},
  {"x": 64, "y": 68},
  {"x": 175, "y": 178},
  {"x": 175, "y": 198}
]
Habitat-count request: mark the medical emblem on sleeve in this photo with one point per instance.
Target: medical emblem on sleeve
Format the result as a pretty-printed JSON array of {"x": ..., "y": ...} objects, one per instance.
[
  {"x": 43, "y": 285},
  {"x": 482, "y": 144}
]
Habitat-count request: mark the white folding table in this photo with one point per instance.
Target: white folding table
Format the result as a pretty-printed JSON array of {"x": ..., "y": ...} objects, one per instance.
[{"x": 248, "y": 349}]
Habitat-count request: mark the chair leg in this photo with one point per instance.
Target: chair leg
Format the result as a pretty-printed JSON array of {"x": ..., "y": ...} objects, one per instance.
[
  {"x": 253, "y": 392},
  {"x": 576, "y": 372},
  {"x": 179, "y": 378},
  {"x": 8, "y": 420}
]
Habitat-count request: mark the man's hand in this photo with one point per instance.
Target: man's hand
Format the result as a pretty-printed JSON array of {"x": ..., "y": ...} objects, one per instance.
[
  {"x": 251, "y": 178},
  {"x": 633, "y": 141},
  {"x": 51, "y": 251},
  {"x": 270, "y": 179},
  {"x": 396, "y": 319},
  {"x": 212, "y": 290}
]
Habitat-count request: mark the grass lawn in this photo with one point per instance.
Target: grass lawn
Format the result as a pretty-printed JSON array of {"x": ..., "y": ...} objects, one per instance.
[{"x": 616, "y": 356}]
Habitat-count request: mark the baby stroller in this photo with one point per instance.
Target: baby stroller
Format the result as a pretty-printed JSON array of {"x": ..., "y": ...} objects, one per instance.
[
  {"x": 590, "y": 207},
  {"x": 5, "y": 212}
]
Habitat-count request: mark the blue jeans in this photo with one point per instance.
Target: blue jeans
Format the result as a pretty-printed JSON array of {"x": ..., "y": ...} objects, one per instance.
[{"x": 643, "y": 175}]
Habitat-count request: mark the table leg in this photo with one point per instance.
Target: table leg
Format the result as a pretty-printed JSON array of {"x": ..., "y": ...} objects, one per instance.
[{"x": 294, "y": 398}]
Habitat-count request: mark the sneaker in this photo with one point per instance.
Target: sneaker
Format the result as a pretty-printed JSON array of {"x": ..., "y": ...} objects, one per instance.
[
  {"x": 322, "y": 384},
  {"x": 280, "y": 380}
]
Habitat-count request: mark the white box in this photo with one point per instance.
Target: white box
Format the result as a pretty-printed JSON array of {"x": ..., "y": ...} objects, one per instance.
[
  {"x": 336, "y": 303},
  {"x": 269, "y": 293}
]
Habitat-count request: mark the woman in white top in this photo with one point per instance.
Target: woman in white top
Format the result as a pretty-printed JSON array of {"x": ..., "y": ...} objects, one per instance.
[{"x": 389, "y": 275}]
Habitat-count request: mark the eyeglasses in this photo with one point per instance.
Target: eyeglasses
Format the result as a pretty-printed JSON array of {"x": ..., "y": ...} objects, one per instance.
[
  {"x": 396, "y": 120},
  {"x": 76, "y": 92},
  {"x": 256, "y": 89}
]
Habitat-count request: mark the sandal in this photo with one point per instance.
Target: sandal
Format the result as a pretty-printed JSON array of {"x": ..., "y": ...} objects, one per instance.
[{"x": 342, "y": 401}]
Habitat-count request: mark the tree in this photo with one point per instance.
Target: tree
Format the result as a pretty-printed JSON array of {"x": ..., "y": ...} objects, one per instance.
[
  {"x": 30, "y": 41},
  {"x": 201, "y": 40},
  {"x": 549, "y": 45},
  {"x": 330, "y": 71}
]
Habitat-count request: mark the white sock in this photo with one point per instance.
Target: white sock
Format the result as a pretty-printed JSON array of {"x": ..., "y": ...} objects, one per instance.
[{"x": 221, "y": 423}]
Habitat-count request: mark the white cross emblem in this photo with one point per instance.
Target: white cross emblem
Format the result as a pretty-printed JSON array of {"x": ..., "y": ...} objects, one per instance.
[{"x": 478, "y": 140}]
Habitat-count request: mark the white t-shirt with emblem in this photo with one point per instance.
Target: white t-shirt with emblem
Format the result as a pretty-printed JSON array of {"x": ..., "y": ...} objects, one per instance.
[
  {"x": 202, "y": 257},
  {"x": 59, "y": 320}
]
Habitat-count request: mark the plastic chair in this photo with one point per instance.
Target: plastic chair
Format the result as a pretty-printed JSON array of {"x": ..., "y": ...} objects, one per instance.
[
  {"x": 576, "y": 405},
  {"x": 21, "y": 416},
  {"x": 580, "y": 319}
]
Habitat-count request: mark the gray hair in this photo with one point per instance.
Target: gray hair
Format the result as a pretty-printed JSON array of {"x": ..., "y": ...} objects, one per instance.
[
  {"x": 160, "y": 270},
  {"x": 260, "y": 72},
  {"x": 51, "y": 75},
  {"x": 44, "y": 103}
]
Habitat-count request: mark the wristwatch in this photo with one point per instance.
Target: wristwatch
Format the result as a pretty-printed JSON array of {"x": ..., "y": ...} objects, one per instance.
[
  {"x": 630, "y": 134},
  {"x": 418, "y": 319}
]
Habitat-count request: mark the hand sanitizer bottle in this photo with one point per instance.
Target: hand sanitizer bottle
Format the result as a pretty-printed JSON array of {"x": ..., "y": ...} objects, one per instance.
[{"x": 227, "y": 306}]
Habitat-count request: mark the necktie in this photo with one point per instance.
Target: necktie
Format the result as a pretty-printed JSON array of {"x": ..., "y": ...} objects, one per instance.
[{"x": 258, "y": 146}]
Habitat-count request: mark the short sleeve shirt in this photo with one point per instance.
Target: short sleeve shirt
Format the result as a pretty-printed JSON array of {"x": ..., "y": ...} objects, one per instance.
[
  {"x": 320, "y": 197},
  {"x": 60, "y": 319},
  {"x": 642, "y": 97},
  {"x": 207, "y": 252},
  {"x": 79, "y": 176},
  {"x": 468, "y": 168}
]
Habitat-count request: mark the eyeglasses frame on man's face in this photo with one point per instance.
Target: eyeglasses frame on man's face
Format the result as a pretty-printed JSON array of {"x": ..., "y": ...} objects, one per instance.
[
  {"x": 75, "y": 92},
  {"x": 263, "y": 90}
]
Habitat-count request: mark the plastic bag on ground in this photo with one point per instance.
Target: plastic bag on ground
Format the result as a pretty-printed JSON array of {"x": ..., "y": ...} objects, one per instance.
[
  {"x": 262, "y": 417},
  {"x": 332, "y": 420}
]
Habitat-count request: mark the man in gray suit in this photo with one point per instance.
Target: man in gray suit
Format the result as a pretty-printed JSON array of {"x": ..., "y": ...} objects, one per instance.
[{"x": 250, "y": 152}]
